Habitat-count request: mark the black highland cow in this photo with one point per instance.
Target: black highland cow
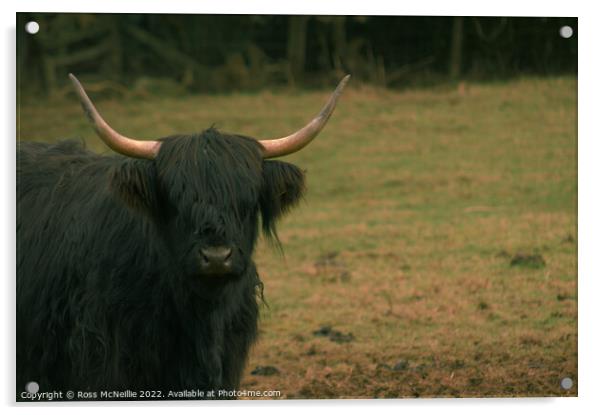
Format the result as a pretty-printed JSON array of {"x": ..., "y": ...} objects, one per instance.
[{"x": 135, "y": 271}]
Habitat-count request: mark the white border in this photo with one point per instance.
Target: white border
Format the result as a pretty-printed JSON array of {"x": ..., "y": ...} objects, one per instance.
[
  {"x": 590, "y": 204},
  {"x": 373, "y": 7}
]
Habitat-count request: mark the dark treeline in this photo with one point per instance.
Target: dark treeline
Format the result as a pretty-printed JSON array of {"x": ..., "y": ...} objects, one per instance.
[{"x": 246, "y": 52}]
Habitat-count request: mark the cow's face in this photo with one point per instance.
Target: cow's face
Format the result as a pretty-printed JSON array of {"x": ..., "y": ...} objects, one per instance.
[{"x": 205, "y": 193}]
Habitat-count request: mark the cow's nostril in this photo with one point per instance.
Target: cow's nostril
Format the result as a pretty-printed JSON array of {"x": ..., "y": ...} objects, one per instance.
[
  {"x": 216, "y": 259},
  {"x": 227, "y": 254}
]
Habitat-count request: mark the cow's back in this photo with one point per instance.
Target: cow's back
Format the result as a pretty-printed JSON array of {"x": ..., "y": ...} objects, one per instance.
[
  {"x": 40, "y": 166},
  {"x": 61, "y": 188}
]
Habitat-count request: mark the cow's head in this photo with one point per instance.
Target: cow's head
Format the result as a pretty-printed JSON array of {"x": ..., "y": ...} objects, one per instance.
[{"x": 205, "y": 192}]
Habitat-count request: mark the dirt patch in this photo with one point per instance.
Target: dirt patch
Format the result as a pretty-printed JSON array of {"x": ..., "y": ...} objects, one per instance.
[
  {"x": 334, "y": 335},
  {"x": 265, "y": 371},
  {"x": 328, "y": 259},
  {"x": 401, "y": 366},
  {"x": 528, "y": 260},
  {"x": 568, "y": 239},
  {"x": 330, "y": 267}
]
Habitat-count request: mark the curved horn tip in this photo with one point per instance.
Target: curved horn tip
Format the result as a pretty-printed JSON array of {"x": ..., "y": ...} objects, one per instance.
[
  {"x": 74, "y": 79},
  {"x": 332, "y": 102},
  {"x": 145, "y": 149},
  {"x": 339, "y": 89},
  {"x": 79, "y": 89},
  {"x": 343, "y": 83},
  {"x": 299, "y": 139}
]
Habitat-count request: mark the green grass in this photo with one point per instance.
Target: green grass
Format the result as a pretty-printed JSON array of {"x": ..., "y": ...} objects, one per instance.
[{"x": 425, "y": 196}]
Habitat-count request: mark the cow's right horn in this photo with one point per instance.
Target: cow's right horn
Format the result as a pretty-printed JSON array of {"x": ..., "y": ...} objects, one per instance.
[{"x": 119, "y": 143}]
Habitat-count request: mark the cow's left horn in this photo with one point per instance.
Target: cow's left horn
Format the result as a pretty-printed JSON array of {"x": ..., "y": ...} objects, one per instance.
[
  {"x": 299, "y": 139},
  {"x": 119, "y": 143}
]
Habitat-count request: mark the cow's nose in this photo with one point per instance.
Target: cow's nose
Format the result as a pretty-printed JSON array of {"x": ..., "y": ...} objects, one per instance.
[{"x": 216, "y": 260}]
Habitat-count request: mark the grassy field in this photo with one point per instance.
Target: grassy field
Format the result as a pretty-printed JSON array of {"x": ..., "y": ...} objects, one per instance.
[{"x": 435, "y": 252}]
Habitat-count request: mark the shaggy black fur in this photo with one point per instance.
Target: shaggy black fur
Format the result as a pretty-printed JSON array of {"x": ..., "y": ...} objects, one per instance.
[{"x": 109, "y": 291}]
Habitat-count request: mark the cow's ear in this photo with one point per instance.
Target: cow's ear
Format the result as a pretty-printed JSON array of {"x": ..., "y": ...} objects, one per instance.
[
  {"x": 283, "y": 187},
  {"x": 134, "y": 182}
]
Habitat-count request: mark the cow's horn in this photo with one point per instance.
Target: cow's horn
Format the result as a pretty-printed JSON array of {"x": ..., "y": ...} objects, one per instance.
[
  {"x": 119, "y": 143},
  {"x": 299, "y": 139}
]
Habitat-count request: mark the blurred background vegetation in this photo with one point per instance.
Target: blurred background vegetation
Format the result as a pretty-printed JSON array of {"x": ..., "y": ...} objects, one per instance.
[{"x": 210, "y": 53}]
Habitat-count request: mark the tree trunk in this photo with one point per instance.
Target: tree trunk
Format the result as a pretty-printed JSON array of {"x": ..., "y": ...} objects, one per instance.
[
  {"x": 455, "y": 57},
  {"x": 297, "y": 34},
  {"x": 340, "y": 42}
]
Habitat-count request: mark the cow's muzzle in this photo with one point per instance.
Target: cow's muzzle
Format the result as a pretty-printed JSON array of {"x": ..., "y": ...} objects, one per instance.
[{"x": 217, "y": 260}]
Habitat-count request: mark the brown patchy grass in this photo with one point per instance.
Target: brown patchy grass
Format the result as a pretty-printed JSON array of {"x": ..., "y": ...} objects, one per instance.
[{"x": 417, "y": 203}]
